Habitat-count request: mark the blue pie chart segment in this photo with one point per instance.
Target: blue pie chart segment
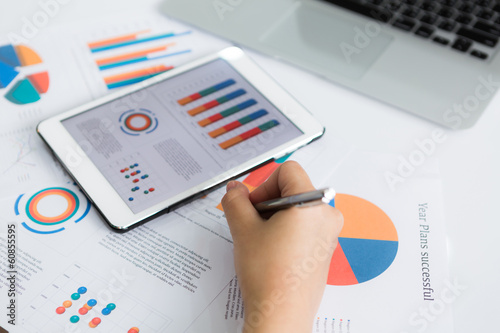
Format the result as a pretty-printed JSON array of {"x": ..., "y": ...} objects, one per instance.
[{"x": 368, "y": 258}]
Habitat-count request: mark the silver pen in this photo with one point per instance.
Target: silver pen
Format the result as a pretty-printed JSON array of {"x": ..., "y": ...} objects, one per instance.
[{"x": 299, "y": 200}]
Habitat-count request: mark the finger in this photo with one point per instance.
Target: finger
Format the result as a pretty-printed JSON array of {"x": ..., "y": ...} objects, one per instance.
[
  {"x": 240, "y": 213},
  {"x": 289, "y": 179}
]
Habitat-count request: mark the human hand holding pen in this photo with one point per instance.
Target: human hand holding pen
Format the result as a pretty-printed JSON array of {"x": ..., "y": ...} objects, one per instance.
[{"x": 282, "y": 263}]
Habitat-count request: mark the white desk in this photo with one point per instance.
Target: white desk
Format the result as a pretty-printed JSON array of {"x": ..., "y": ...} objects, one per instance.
[{"x": 470, "y": 159}]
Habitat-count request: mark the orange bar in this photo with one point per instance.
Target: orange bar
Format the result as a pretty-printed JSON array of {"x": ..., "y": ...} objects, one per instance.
[
  {"x": 204, "y": 122},
  {"x": 118, "y": 39},
  {"x": 185, "y": 100},
  {"x": 131, "y": 55},
  {"x": 195, "y": 111},
  {"x": 138, "y": 73},
  {"x": 217, "y": 132},
  {"x": 231, "y": 142}
]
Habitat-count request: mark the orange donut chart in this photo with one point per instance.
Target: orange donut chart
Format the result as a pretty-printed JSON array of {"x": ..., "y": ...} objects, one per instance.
[
  {"x": 129, "y": 119},
  {"x": 37, "y": 217}
]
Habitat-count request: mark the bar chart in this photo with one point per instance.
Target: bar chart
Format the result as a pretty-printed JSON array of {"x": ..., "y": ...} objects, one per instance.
[{"x": 134, "y": 57}]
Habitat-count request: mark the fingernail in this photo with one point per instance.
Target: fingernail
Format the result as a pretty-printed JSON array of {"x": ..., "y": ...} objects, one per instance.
[{"x": 232, "y": 184}]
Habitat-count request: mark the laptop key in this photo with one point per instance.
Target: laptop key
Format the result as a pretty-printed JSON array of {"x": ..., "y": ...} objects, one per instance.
[
  {"x": 366, "y": 10},
  {"x": 428, "y": 6},
  {"x": 464, "y": 19},
  {"x": 441, "y": 40},
  {"x": 446, "y": 12},
  {"x": 479, "y": 54},
  {"x": 447, "y": 25},
  {"x": 404, "y": 23},
  {"x": 486, "y": 14},
  {"x": 411, "y": 12},
  {"x": 424, "y": 31},
  {"x": 462, "y": 44},
  {"x": 478, "y": 36},
  {"x": 429, "y": 19},
  {"x": 488, "y": 28}
]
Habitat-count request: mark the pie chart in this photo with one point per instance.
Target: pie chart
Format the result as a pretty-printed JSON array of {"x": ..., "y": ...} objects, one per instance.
[
  {"x": 21, "y": 88},
  {"x": 368, "y": 242}
]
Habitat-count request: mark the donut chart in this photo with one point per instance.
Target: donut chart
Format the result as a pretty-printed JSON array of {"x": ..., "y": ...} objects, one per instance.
[
  {"x": 137, "y": 122},
  {"x": 47, "y": 211},
  {"x": 368, "y": 242},
  {"x": 24, "y": 89}
]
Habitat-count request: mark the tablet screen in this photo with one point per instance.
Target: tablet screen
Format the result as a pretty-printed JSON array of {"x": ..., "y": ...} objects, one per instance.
[{"x": 157, "y": 142}]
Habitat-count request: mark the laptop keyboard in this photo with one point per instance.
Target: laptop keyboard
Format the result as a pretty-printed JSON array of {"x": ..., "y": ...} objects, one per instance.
[{"x": 467, "y": 26}]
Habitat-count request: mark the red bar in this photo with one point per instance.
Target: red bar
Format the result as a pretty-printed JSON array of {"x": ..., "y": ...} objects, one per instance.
[
  {"x": 250, "y": 133},
  {"x": 232, "y": 126}
]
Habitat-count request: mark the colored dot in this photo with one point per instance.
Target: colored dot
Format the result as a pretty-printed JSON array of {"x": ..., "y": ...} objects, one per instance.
[
  {"x": 146, "y": 192},
  {"x": 146, "y": 176},
  {"x": 133, "y": 173},
  {"x": 138, "y": 171},
  {"x": 92, "y": 302},
  {"x": 143, "y": 177},
  {"x": 96, "y": 321},
  {"x": 133, "y": 190},
  {"x": 82, "y": 290},
  {"x": 151, "y": 189},
  {"x": 75, "y": 296},
  {"x": 60, "y": 310},
  {"x": 67, "y": 304},
  {"x": 126, "y": 169},
  {"x": 132, "y": 166},
  {"x": 137, "y": 187},
  {"x": 83, "y": 311},
  {"x": 111, "y": 306},
  {"x": 122, "y": 170},
  {"x": 130, "y": 199},
  {"x": 133, "y": 330},
  {"x": 127, "y": 176},
  {"x": 86, "y": 306},
  {"x": 74, "y": 319},
  {"x": 135, "y": 180},
  {"x": 92, "y": 325},
  {"x": 136, "y": 164},
  {"x": 106, "y": 311}
]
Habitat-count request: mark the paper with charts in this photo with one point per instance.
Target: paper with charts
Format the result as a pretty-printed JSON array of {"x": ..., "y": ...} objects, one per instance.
[{"x": 176, "y": 274}]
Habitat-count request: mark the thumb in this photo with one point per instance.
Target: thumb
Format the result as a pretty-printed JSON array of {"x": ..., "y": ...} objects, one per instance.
[{"x": 240, "y": 213}]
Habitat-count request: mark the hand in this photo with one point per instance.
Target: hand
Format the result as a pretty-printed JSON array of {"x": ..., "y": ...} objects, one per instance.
[{"x": 282, "y": 263}]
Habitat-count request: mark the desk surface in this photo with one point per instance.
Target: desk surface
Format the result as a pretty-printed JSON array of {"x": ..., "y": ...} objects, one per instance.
[{"x": 469, "y": 160}]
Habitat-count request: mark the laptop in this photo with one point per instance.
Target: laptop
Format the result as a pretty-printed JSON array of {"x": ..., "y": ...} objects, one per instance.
[{"x": 436, "y": 59}]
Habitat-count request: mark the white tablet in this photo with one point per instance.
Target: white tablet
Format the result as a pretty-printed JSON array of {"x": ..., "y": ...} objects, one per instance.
[{"x": 149, "y": 148}]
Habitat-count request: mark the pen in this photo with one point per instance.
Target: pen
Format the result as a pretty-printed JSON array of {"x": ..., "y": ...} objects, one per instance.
[{"x": 299, "y": 200}]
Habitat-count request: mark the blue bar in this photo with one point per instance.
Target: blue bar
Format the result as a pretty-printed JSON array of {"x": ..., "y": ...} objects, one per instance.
[
  {"x": 141, "y": 59},
  {"x": 257, "y": 114},
  {"x": 129, "y": 82},
  {"x": 224, "y": 84},
  {"x": 233, "y": 95},
  {"x": 137, "y": 41}
]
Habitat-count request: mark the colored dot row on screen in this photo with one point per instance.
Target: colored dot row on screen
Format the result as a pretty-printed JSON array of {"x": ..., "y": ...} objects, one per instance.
[
  {"x": 216, "y": 102},
  {"x": 248, "y": 134},
  {"x": 152, "y": 189},
  {"x": 206, "y": 92},
  {"x": 130, "y": 167},
  {"x": 133, "y": 330},
  {"x": 226, "y": 113},
  {"x": 237, "y": 123}
]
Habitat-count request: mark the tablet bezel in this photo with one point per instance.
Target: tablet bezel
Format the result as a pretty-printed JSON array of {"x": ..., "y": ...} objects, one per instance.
[{"x": 102, "y": 194}]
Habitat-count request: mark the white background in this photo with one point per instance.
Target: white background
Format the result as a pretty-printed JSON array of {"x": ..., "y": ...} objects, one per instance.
[{"x": 469, "y": 159}]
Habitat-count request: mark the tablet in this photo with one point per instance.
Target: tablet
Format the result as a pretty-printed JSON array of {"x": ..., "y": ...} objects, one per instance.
[{"x": 152, "y": 147}]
